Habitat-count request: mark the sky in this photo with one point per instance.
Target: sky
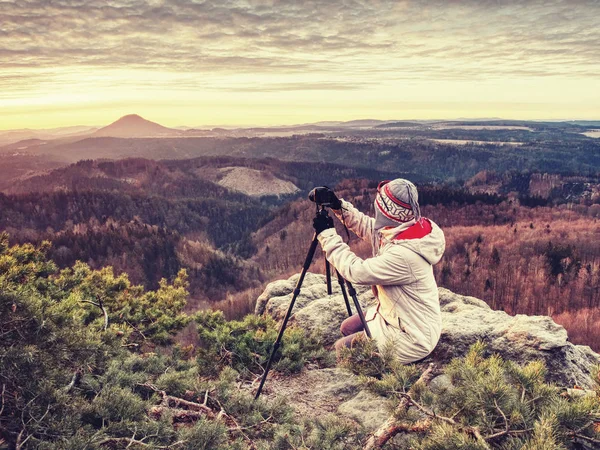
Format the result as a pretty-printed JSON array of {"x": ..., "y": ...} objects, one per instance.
[{"x": 270, "y": 62}]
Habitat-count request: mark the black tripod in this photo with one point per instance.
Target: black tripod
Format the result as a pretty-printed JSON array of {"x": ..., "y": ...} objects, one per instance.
[{"x": 343, "y": 283}]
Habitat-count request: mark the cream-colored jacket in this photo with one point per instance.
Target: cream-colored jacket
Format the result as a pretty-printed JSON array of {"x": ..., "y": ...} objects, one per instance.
[{"x": 407, "y": 315}]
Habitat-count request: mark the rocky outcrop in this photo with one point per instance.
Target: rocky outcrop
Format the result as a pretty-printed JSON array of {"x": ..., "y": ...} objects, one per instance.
[
  {"x": 255, "y": 183},
  {"x": 465, "y": 320},
  {"x": 519, "y": 338},
  {"x": 320, "y": 392},
  {"x": 314, "y": 310}
]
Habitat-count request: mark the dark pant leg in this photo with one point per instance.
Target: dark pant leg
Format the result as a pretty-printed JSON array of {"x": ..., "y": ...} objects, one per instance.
[{"x": 351, "y": 325}]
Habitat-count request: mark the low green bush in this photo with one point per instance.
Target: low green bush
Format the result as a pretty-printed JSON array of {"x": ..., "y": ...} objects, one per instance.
[{"x": 245, "y": 345}]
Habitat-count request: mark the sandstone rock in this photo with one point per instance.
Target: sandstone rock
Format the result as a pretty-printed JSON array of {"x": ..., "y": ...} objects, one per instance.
[
  {"x": 314, "y": 310},
  {"x": 320, "y": 392},
  {"x": 368, "y": 409},
  {"x": 440, "y": 384},
  {"x": 519, "y": 338},
  {"x": 465, "y": 320}
]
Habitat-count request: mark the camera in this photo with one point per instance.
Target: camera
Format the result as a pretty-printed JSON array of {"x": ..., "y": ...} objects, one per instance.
[{"x": 322, "y": 196}]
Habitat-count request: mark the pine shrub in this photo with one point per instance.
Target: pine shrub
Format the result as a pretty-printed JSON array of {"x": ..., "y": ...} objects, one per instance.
[
  {"x": 246, "y": 345},
  {"x": 485, "y": 403}
]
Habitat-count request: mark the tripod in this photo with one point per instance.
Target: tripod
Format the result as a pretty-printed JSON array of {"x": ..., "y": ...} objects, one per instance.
[{"x": 343, "y": 283}]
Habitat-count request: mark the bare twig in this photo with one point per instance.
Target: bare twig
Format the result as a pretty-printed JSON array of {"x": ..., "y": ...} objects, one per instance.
[
  {"x": 457, "y": 412},
  {"x": 427, "y": 412},
  {"x": 2, "y": 396},
  {"x": 175, "y": 402},
  {"x": 43, "y": 416},
  {"x": 20, "y": 443},
  {"x": 583, "y": 440},
  {"x": 581, "y": 437},
  {"x": 101, "y": 306},
  {"x": 587, "y": 425},
  {"x": 238, "y": 428},
  {"x": 74, "y": 381},
  {"x": 177, "y": 415},
  {"x": 131, "y": 441},
  {"x": 473, "y": 431},
  {"x": 506, "y": 426},
  {"x": 136, "y": 329},
  {"x": 392, "y": 426}
]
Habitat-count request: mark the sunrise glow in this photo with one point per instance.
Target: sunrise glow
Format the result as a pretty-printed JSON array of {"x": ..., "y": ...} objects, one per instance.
[{"x": 278, "y": 62}]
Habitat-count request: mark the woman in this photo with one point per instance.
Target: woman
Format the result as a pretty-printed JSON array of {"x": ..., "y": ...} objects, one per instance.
[{"x": 405, "y": 246}]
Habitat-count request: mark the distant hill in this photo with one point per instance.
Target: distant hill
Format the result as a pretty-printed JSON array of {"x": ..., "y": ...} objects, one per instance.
[
  {"x": 400, "y": 124},
  {"x": 225, "y": 178},
  {"x": 17, "y": 166},
  {"x": 12, "y": 136},
  {"x": 132, "y": 125}
]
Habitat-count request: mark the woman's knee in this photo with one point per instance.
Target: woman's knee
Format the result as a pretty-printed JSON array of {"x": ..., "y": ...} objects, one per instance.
[
  {"x": 351, "y": 325},
  {"x": 344, "y": 328}
]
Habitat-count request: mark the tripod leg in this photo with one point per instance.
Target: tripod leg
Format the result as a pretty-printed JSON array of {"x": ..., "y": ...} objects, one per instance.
[
  {"x": 309, "y": 257},
  {"x": 328, "y": 277},
  {"x": 342, "y": 284},
  {"x": 352, "y": 293}
]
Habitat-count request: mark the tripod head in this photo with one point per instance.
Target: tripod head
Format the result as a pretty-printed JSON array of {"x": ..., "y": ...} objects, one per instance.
[{"x": 322, "y": 211}]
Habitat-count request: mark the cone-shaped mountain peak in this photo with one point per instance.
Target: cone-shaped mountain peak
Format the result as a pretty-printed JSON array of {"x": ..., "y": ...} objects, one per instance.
[{"x": 133, "y": 125}]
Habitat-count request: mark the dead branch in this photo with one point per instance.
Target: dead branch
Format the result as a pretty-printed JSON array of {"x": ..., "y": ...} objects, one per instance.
[
  {"x": 74, "y": 381},
  {"x": 185, "y": 411},
  {"x": 176, "y": 402},
  {"x": 392, "y": 426},
  {"x": 101, "y": 306},
  {"x": 178, "y": 415},
  {"x": 2, "y": 395},
  {"x": 506, "y": 425},
  {"x": 131, "y": 441},
  {"x": 249, "y": 427},
  {"x": 20, "y": 442},
  {"x": 586, "y": 441}
]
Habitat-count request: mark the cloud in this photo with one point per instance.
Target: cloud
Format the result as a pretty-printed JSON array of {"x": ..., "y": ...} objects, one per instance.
[{"x": 347, "y": 43}]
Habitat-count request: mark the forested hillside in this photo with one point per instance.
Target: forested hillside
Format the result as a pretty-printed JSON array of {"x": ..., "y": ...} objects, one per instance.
[
  {"x": 152, "y": 218},
  {"x": 198, "y": 177},
  {"x": 15, "y": 168},
  {"x": 425, "y": 154}
]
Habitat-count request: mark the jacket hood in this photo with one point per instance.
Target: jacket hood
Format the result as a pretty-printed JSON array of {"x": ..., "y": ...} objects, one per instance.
[{"x": 425, "y": 238}]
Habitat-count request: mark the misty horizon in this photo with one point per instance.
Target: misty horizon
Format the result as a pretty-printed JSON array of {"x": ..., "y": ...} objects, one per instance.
[{"x": 276, "y": 124}]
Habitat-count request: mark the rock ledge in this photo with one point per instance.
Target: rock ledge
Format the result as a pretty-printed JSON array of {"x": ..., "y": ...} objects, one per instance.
[{"x": 519, "y": 338}]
